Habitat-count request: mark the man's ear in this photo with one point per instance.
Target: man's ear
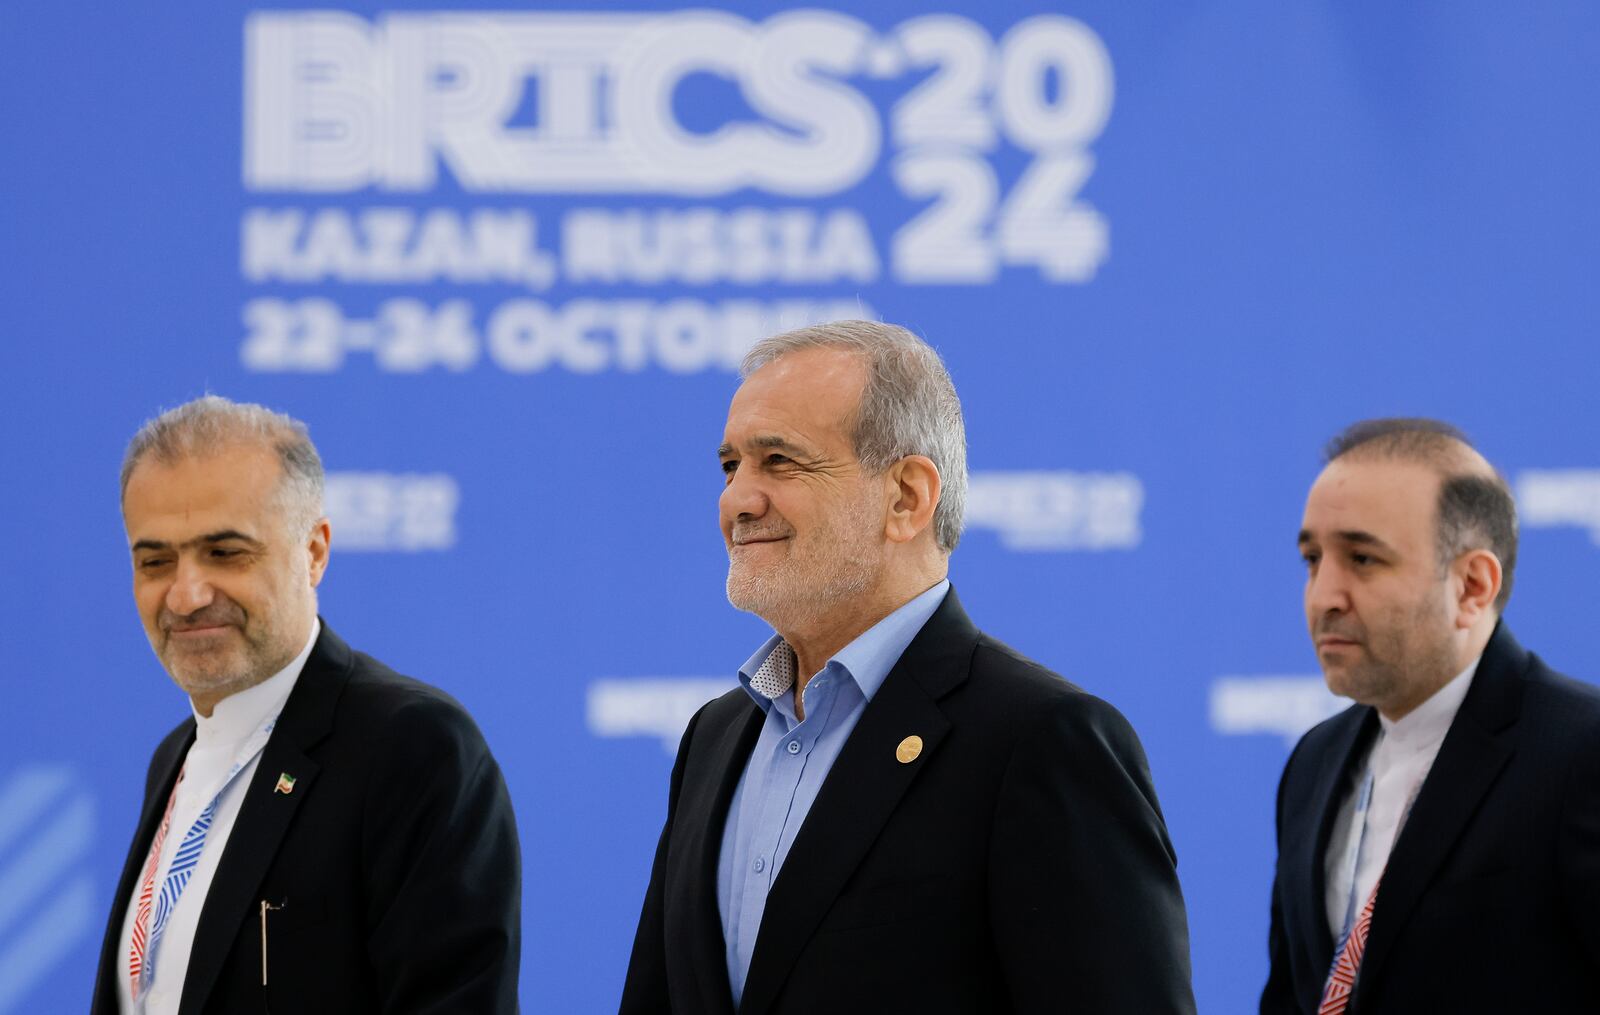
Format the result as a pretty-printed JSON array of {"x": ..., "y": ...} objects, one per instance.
[
  {"x": 913, "y": 491},
  {"x": 1478, "y": 577},
  {"x": 317, "y": 549}
]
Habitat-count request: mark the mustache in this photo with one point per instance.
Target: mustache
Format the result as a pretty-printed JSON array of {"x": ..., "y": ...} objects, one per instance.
[
  {"x": 224, "y": 613},
  {"x": 751, "y": 533},
  {"x": 1330, "y": 628}
]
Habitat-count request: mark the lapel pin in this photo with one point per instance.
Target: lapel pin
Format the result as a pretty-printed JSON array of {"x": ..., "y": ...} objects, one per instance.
[
  {"x": 908, "y": 750},
  {"x": 286, "y": 782}
]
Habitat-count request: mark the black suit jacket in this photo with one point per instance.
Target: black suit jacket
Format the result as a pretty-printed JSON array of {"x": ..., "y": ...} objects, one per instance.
[
  {"x": 1491, "y": 898},
  {"x": 1019, "y": 864},
  {"x": 395, "y": 858}
]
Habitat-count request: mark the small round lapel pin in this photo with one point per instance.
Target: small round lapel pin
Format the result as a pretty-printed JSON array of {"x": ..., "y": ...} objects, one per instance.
[{"x": 908, "y": 750}]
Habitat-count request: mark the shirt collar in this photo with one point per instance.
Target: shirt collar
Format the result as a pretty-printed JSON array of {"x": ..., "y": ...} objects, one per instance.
[
  {"x": 868, "y": 659},
  {"x": 1429, "y": 721},
  {"x": 238, "y": 715}
]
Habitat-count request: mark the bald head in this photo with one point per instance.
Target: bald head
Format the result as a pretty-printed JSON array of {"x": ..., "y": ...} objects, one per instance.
[
  {"x": 1475, "y": 509},
  {"x": 1429, "y": 442}
]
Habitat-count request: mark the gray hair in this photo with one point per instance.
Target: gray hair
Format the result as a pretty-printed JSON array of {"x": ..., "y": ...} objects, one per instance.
[
  {"x": 908, "y": 406},
  {"x": 212, "y": 424}
]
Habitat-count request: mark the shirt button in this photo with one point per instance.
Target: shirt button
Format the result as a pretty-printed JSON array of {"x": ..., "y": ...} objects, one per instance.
[
  {"x": 794, "y": 747},
  {"x": 760, "y": 864}
]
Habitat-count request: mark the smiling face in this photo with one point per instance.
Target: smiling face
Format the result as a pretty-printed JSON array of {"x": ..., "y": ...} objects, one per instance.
[
  {"x": 225, "y": 589},
  {"x": 803, "y": 526},
  {"x": 1378, "y": 604}
]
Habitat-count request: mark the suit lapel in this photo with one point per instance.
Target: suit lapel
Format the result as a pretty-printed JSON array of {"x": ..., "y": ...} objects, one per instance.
[
  {"x": 1355, "y": 732},
  {"x": 265, "y": 815},
  {"x": 1475, "y": 749},
  {"x": 859, "y": 794},
  {"x": 163, "y": 774},
  {"x": 697, "y": 834}
]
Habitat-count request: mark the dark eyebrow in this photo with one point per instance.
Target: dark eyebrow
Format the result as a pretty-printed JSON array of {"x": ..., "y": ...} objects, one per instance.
[
  {"x": 220, "y": 536},
  {"x": 1356, "y": 537},
  {"x": 227, "y": 535},
  {"x": 1360, "y": 538}
]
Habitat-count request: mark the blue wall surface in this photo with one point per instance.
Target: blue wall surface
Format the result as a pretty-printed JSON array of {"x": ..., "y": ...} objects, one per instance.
[{"x": 504, "y": 263}]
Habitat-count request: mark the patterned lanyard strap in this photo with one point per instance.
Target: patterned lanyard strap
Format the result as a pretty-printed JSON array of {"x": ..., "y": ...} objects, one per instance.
[
  {"x": 154, "y": 910},
  {"x": 1353, "y": 854},
  {"x": 147, "y": 884},
  {"x": 1352, "y": 947}
]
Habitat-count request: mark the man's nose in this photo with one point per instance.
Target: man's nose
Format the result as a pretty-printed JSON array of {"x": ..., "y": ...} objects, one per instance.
[
  {"x": 745, "y": 496},
  {"x": 190, "y": 591},
  {"x": 1327, "y": 591}
]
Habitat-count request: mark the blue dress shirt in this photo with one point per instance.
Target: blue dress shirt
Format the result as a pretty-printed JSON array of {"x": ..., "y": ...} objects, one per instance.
[{"x": 790, "y": 761}]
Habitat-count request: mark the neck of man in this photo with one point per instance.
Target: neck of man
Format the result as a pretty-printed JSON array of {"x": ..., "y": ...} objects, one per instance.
[
  {"x": 206, "y": 702},
  {"x": 817, "y": 639}
]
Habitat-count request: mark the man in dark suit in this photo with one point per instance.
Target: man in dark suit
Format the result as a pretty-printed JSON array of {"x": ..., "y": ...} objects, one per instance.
[
  {"x": 322, "y": 835},
  {"x": 1438, "y": 842},
  {"x": 893, "y": 812}
]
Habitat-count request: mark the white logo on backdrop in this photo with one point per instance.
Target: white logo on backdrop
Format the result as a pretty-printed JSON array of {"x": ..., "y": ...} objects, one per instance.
[
  {"x": 404, "y": 512},
  {"x": 657, "y": 707},
  {"x": 335, "y": 103},
  {"x": 1058, "y": 510},
  {"x": 1284, "y": 706},
  {"x": 1558, "y": 498},
  {"x": 46, "y": 893},
  {"x": 568, "y": 103}
]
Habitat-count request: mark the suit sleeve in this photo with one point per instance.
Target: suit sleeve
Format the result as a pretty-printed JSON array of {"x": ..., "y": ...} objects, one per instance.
[
  {"x": 645, "y": 991},
  {"x": 1277, "y": 997},
  {"x": 443, "y": 867},
  {"x": 1085, "y": 903}
]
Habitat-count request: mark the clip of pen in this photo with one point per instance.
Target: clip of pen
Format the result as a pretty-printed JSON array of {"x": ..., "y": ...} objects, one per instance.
[{"x": 267, "y": 907}]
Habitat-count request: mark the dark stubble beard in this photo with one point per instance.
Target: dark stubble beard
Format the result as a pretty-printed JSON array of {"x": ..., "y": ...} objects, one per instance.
[{"x": 1413, "y": 651}]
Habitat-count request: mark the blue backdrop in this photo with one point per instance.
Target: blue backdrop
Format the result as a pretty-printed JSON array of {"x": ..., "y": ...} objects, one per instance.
[{"x": 504, "y": 261}]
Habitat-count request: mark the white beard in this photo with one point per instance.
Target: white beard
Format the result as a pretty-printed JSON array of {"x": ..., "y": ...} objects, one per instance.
[{"x": 831, "y": 565}]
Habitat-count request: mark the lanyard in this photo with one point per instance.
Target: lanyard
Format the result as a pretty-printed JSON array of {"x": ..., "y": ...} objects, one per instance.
[
  {"x": 182, "y": 866},
  {"x": 1353, "y": 853}
]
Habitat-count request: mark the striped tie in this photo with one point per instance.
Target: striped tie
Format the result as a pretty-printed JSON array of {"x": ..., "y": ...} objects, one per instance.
[
  {"x": 1342, "y": 980},
  {"x": 141, "y": 913}
]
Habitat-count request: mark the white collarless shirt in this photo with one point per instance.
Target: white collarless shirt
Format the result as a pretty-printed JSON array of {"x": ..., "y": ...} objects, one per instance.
[
  {"x": 217, "y": 743},
  {"x": 1399, "y": 761}
]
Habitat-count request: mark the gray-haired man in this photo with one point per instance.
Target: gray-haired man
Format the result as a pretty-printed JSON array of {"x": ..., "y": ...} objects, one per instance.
[
  {"x": 321, "y": 835},
  {"x": 893, "y": 812}
]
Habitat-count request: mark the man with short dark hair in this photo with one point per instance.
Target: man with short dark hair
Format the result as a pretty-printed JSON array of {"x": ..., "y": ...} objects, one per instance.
[
  {"x": 1438, "y": 842},
  {"x": 322, "y": 834},
  {"x": 893, "y": 812}
]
